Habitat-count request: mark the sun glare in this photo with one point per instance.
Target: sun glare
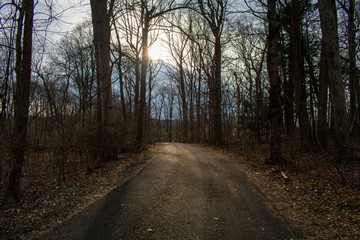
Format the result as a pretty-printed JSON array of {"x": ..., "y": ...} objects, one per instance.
[{"x": 157, "y": 52}]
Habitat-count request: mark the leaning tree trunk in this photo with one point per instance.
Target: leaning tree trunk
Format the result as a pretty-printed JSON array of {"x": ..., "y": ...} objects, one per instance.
[
  {"x": 106, "y": 148},
  {"x": 21, "y": 100},
  {"x": 275, "y": 84},
  {"x": 328, "y": 18}
]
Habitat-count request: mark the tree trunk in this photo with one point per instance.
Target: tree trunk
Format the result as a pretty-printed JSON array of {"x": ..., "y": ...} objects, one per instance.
[
  {"x": 185, "y": 120},
  {"x": 258, "y": 95},
  {"x": 275, "y": 90},
  {"x": 148, "y": 110},
  {"x": 288, "y": 90},
  {"x": 328, "y": 18},
  {"x": 353, "y": 73},
  {"x": 299, "y": 77},
  {"x": 217, "y": 98},
  {"x": 312, "y": 92},
  {"x": 171, "y": 115},
  {"x": 137, "y": 84},
  {"x": 106, "y": 148},
  {"x": 198, "y": 105},
  {"x": 191, "y": 117},
  {"x": 214, "y": 14},
  {"x": 21, "y": 100},
  {"x": 121, "y": 80},
  {"x": 144, "y": 67},
  {"x": 322, "y": 99}
]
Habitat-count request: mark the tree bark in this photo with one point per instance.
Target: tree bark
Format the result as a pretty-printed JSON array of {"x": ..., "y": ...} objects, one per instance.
[
  {"x": 106, "y": 148},
  {"x": 353, "y": 73},
  {"x": 275, "y": 111},
  {"x": 217, "y": 100},
  {"x": 288, "y": 89},
  {"x": 328, "y": 18},
  {"x": 121, "y": 79},
  {"x": 198, "y": 103},
  {"x": 258, "y": 95},
  {"x": 21, "y": 100},
  {"x": 322, "y": 100},
  {"x": 144, "y": 67}
]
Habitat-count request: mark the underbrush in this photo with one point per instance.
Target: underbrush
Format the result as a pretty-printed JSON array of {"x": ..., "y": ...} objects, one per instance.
[
  {"x": 49, "y": 197},
  {"x": 320, "y": 196}
]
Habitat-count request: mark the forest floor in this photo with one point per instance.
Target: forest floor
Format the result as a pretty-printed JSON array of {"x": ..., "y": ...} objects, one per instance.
[
  {"x": 311, "y": 192},
  {"x": 47, "y": 202},
  {"x": 320, "y": 197}
]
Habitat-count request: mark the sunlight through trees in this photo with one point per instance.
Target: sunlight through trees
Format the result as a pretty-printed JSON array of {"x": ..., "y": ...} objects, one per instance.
[{"x": 132, "y": 73}]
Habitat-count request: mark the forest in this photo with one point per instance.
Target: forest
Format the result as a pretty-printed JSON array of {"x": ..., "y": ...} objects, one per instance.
[{"x": 129, "y": 73}]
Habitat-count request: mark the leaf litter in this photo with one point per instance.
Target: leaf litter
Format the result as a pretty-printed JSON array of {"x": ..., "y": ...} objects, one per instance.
[{"x": 47, "y": 202}]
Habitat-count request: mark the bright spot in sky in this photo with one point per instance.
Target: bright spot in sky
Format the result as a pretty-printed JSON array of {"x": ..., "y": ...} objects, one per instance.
[{"x": 159, "y": 52}]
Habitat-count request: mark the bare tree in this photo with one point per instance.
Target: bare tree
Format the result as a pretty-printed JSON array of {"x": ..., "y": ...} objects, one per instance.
[
  {"x": 101, "y": 30},
  {"x": 350, "y": 8},
  {"x": 149, "y": 12},
  {"x": 275, "y": 85},
  {"x": 296, "y": 42},
  {"x": 322, "y": 99},
  {"x": 178, "y": 44},
  {"x": 214, "y": 12},
  {"x": 21, "y": 96},
  {"x": 328, "y": 17}
]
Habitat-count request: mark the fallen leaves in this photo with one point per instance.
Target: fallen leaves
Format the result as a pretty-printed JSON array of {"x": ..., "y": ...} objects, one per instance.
[
  {"x": 321, "y": 199},
  {"x": 47, "y": 202}
]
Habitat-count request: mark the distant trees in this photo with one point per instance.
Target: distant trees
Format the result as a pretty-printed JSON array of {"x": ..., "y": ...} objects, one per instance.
[{"x": 75, "y": 58}]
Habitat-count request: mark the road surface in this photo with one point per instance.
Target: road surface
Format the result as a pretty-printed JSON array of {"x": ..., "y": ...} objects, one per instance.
[{"x": 186, "y": 192}]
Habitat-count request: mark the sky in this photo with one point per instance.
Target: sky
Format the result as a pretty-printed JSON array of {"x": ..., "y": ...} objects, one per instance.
[{"x": 68, "y": 13}]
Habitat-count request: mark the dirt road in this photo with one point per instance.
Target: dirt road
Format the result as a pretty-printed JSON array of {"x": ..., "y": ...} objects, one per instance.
[{"x": 186, "y": 192}]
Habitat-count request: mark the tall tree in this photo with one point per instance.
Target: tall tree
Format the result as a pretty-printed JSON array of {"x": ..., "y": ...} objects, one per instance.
[
  {"x": 329, "y": 27},
  {"x": 106, "y": 149},
  {"x": 353, "y": 70},
  {"x": 214, "y": 12},
  {"x": 177, "y": 45},
  {"x": 275, "y": 84},
  {"x": 322, "y": 99},
  {"x": 149, "y": 12},
  {"x": 299, "y": 75},
  {"x": 21, "y": 96}
]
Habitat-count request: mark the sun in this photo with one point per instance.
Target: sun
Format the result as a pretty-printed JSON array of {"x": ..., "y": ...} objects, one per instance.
[{"x": 157, "y": 52}]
